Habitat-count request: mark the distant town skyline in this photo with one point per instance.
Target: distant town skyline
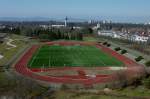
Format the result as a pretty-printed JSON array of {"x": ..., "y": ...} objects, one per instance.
[{"x": 115, "y": 10}]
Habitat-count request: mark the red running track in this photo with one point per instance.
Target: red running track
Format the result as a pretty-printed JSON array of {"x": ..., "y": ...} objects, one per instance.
[
  {"x": 81, "y": 78},
  {"x": 125, "y": 60}
]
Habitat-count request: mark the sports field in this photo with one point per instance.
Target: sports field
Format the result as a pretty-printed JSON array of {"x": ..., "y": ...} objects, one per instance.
[{"x": 61, "y": 56}]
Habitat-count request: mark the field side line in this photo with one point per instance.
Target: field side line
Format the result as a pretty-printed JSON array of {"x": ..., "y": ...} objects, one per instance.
[
  {"x": 35, "y": 57},
  {"x": 49, "y": 58}
]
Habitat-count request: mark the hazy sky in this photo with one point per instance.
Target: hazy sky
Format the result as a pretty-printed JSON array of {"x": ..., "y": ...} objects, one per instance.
[{"x": 112, "y": 9}]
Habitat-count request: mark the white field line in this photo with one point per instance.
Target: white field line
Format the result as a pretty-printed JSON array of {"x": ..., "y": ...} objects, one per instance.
[
  {"x": 49, "y": 64},
  {"x": 117, "y": 68},
  {"x": 102, "y": 62},
  {"x": 35, "y": 57},
  {"x": 49, "y": 58}
]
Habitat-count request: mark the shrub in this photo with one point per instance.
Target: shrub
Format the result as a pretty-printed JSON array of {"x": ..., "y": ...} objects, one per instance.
[
  {"x": 108, "y": 45},
  {"x": 117, "y": 49},
  {"x": 105, "y": 43},
  {"x": 147, "y": 63},
  {"x": 139, "y": 58},
  {"x": 146, "y": 82},
  {"x": 135, "y": 82},
  {"x": 123, "y": 51},
  {"x": 64, "y": 87}
]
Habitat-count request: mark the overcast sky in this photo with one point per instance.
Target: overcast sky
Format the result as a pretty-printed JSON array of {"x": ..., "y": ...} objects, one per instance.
[{"x": 123, "y": 10}]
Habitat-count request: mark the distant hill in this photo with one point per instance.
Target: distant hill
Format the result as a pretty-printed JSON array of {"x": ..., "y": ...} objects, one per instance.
[
  {"x": 25, "y": 19},
  {"x": 39, "y": 19}
]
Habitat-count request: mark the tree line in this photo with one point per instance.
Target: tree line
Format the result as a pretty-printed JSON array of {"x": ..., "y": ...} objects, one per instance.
[
  {"x": 48, "y": 34},
  {"x": 56, "y": 34}
]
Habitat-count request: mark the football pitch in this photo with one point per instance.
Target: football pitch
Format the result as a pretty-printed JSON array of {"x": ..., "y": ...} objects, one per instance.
[{"x": 71, "y": 56}]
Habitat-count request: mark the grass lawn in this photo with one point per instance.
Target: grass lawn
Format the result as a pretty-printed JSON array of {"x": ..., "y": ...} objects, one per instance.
[
  {"x": 62, "y": 94},
  {"x": 139, "y": 91},
  {"x": 90, "y": 39},
  {"x": 58, "y": 56},
  {"x": 71, "y": 95},
  {"x": 9, "y": 53}
]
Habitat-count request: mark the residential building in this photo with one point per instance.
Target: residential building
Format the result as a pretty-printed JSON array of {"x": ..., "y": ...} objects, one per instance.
[
  {"x": 136, "y": 37},
  {"x": 139, "y": 38}
]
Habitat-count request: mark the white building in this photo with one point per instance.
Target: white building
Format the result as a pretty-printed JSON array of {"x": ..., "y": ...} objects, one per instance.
[
  {"x": 2, "y": 26},
  {"x": 58, "y": 26},
  {"x": 49, "y": 26},
  {"x": 138, "y": 38},
  {"x": 112, "y": 34},
  {"x": 45, "y": 26},
  {"x": 106, "y": 33},
  {"x": 98, "y": 26},
  {"x": 126, "y": 36},
  {"x": 122, "y": 35},
  {"x": 117, "y": 35},
  {"x": 77, "y": 27}
]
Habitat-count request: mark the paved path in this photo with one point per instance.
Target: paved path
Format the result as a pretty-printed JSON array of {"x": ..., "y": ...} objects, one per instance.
[
  {"x": 1, "y": 56},
  {"x": 9, "y": 43}
]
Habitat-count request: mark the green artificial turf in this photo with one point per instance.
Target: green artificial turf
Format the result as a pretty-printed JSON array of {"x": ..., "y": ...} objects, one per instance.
[{"x": 61, "y": 56}]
